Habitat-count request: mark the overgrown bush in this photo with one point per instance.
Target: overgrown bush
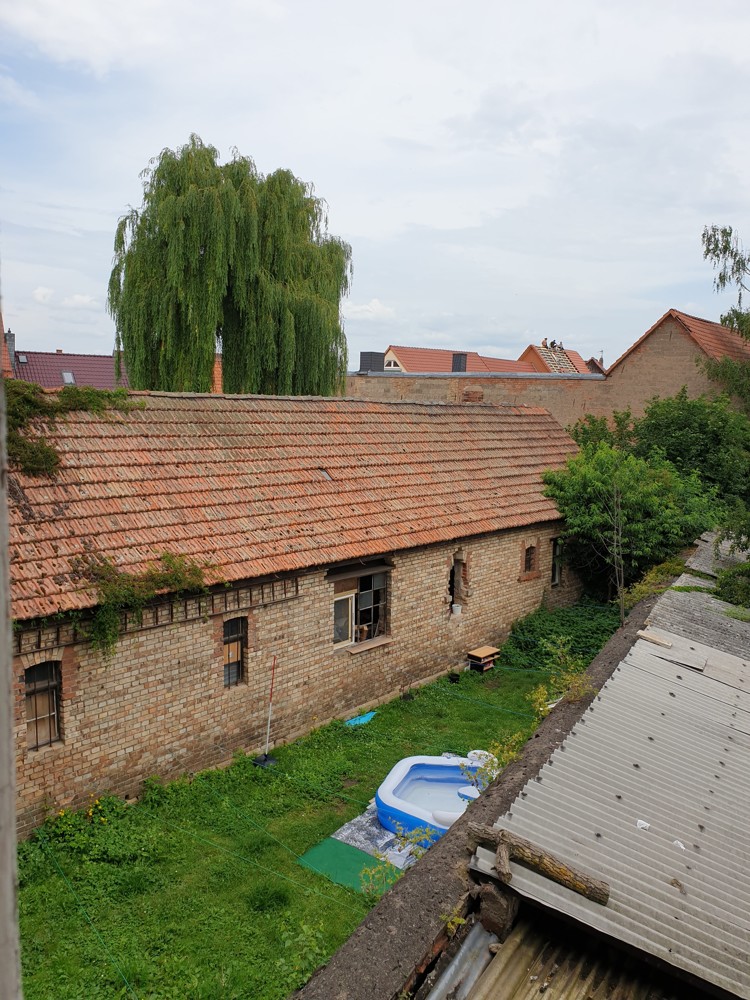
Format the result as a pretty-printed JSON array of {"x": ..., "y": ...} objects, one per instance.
[
  {"x": 733, "y": 585},
  {"x": 588, "y": 626}
]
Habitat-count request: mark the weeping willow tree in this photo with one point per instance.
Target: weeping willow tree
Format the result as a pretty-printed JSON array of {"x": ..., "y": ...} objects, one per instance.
[{"x": 219, "y": 256}]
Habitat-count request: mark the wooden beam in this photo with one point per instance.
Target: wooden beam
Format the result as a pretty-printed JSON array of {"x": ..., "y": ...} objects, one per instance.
[{"x": 510, "y": 847}]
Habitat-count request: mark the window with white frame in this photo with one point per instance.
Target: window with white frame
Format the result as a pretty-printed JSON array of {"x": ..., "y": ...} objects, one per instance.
[{"x": 360, "y": 608}]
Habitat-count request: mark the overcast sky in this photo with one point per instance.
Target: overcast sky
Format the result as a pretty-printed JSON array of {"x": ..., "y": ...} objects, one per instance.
[{"x": 503, "y": 172}]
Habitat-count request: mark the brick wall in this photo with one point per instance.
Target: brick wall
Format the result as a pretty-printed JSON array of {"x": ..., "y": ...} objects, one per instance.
[
  {"x": 159, "y": 705},
  {"x": 567, "y": 399},
  {"x": 660, "y": 366}
]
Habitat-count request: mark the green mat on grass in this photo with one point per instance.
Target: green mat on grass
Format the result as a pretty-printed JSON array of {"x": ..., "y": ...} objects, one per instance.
[{"x": 340, "y": 862}]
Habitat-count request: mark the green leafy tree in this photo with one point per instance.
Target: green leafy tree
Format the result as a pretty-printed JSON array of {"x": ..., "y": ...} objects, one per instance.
[
  {"x": 221, "y": 255},
  {"x": 623, "y": 513},
  {"x": 700, "y": 435},
  {"x": 731, "y": 262}
]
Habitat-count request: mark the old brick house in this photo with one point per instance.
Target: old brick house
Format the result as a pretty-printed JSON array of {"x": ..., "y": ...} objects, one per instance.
[{"x": 338, "y": 536}]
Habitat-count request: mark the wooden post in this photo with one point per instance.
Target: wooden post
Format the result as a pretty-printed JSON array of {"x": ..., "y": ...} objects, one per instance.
[
  {"x": 10, "y": 975},
  {"x": 509, "y": 847}
]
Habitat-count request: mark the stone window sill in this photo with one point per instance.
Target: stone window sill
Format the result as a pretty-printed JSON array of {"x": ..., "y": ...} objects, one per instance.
[
  {"x": 361, "y": 647},
  {"x": 535, "y": 575}
]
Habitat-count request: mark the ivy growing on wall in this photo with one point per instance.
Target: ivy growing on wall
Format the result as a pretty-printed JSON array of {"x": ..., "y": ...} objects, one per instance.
[
  {"x": 31, "y": 453},
  {"x": 120, "y": 592}
]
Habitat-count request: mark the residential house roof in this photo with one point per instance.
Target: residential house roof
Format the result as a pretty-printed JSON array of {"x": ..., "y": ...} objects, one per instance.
[
  {"x": 715, "y": 340},
  {"x": 255, "y": 485},
  {"x": 650, "y": 792},
  {"x": 554, "y": 359},
  {"x": 431, "y": 359},
  {"x": 48, "y": 368},
  {"x": 97, "y": 370}
]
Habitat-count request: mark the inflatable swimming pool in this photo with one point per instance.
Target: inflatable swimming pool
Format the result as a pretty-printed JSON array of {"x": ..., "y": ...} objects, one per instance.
[{"x": 426, "y": 792}]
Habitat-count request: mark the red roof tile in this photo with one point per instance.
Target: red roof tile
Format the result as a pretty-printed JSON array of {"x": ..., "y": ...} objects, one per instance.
[
  {"x": 555, "y": 359},
  {"x": 432, "y": 359},
  {"x": 46, "y": 369},
  {"x": 715, "y": 340},
  {"x": 259, "y": 485}
]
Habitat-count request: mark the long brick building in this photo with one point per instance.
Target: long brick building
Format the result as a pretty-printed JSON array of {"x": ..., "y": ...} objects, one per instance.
[{"x": 366, "y": 546}]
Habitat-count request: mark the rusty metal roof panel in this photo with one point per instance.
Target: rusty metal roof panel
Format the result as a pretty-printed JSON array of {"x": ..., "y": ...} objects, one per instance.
[
  {"x": 651, "y": 793},
  {"x": 537, "y": 960}
]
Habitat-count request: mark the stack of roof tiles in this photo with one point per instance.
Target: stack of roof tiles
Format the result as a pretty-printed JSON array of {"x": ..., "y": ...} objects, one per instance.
[{"x": 260, "y": 485}]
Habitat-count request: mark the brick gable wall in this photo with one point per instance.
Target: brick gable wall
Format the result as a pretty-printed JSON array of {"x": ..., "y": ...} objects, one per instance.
[
  {"x": 665, "y": 361},
  {"x": 159, "y": 705}
]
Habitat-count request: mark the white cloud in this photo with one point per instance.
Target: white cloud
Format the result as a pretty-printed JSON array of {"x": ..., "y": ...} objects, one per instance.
[
  {"x": 42, "y": 294},
  {"x": 79, "y": 301},
  {"x": 14, "y": 95},
  {"x": 372, "y": 310}
]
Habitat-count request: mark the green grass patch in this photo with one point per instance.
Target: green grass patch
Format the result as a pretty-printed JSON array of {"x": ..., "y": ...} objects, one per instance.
[
  {"x": 654, "y": 581},
  {"x": 196, "y": 891}
]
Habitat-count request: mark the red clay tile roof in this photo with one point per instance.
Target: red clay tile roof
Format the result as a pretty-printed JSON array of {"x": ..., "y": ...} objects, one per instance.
[
  {"x": 432, "y": 359},
  {"x": 558, "y": 360},
  {"x": 46, "y": 369},
  {"x": 259, "y": 485},
  {"x": 715, "y": 340}
]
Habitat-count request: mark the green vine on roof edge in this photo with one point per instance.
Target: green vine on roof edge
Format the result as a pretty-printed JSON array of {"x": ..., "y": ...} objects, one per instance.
[
  {"x": 119, "y": 592},
  {"x": 25, "y": 401}
]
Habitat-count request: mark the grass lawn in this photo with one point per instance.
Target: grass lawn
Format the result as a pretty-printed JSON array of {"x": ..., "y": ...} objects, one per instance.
[{"x": 195, "y": 892}]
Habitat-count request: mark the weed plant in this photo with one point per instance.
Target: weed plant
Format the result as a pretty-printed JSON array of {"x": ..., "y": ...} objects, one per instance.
[{"x": 196, "y": 890}]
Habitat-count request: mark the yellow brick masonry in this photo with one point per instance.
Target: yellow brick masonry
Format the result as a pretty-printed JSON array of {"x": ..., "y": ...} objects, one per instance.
[
  {"x": 660, "y": 366},
  {"x": 159, "y": 705}
]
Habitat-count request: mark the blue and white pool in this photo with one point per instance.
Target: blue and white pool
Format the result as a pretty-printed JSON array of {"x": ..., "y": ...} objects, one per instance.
[{"x": 426, "y": 792}]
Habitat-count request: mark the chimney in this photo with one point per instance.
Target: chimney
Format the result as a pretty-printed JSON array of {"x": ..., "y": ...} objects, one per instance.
[
  {"x": 59, "y": 350},
  {"x": 459, "y": 363},
  {"x": 371, "y": 361},
  {"x": 10, "y": 340}
]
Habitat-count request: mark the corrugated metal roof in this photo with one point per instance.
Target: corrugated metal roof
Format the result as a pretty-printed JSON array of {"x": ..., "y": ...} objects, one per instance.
[
  {"x": 702, "y": 617},
  {"x": 540, "y": 960},
  {"x": 669, "y": 746},
  {"x": 254, "y": 485}
]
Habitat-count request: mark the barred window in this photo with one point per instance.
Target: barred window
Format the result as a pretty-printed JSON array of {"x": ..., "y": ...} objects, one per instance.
[
  {"x": 42, "y": 684},
  {"x": 529, "y": 559},
  {"x": 235, "y": 643}
]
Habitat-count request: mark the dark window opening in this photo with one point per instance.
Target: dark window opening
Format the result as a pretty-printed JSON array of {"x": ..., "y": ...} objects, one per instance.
[
  {"x": 235, "y": 643},
  {"x": 458, "y": 579},
  {"x": 529, "y": 559},
  {"x": 360, "y": 608},
  {"x": 42, "y": 684},
  {"x": 557, "y": 562}
]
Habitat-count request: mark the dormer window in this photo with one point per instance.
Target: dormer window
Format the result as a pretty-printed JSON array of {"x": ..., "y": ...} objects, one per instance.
[{"x": 68, "y": 378}]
